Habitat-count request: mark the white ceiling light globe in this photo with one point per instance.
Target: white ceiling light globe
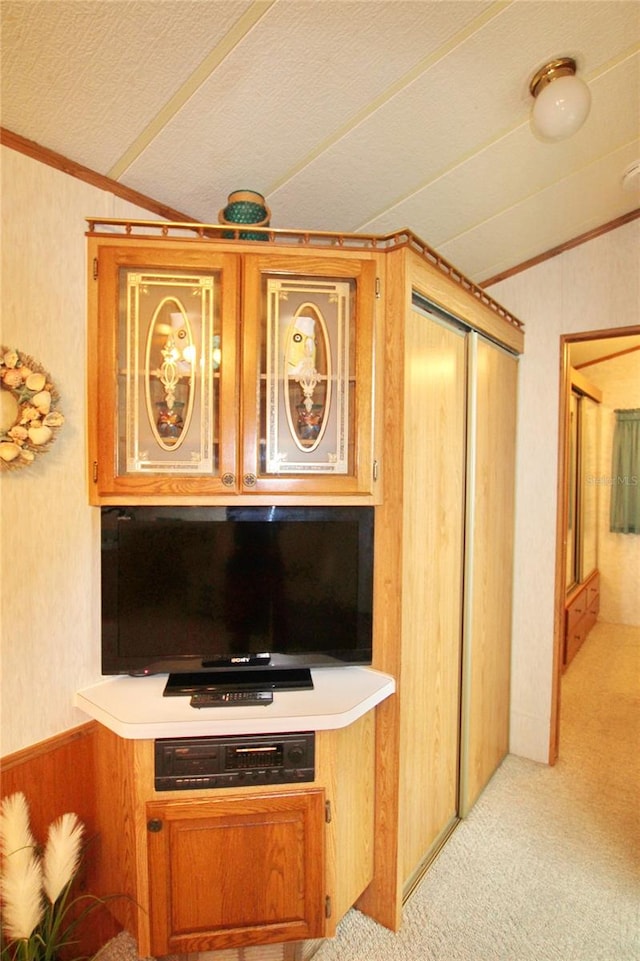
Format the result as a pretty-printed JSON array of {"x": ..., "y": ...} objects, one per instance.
[
  {"x": 561, "y": 107},
  {"x": 561, "y": 100}
]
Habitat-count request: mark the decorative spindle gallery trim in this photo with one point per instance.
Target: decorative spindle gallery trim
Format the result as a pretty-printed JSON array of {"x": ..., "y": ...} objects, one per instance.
[{"x": 305, "y": 238}]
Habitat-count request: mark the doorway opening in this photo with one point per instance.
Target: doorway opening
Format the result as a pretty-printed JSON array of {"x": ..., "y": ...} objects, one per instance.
[{"x": 577, "y": 351}]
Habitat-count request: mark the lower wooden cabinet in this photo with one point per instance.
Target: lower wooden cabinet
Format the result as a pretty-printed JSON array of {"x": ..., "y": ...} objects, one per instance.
[
  {"x": 200, "y": 870},
  {"x": 581, "y": 613},
  {"x": 232, "y": 871}
]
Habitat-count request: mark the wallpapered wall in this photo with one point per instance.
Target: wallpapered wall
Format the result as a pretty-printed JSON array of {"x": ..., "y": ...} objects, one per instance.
[
  {"x": 50, "y": 536},
  {"x": 595, "y": 286}
]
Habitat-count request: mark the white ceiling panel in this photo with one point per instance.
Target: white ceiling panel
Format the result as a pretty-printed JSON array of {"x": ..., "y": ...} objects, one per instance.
[
  {"x": 585, "y": 353},
  {"x": 318, "y": 78},
  {"x": 518, "y": 166},
  {"x": 552, "y": 216},
  {"x": 92, "y": 73},
  {"x": 460, "y": 105},
  {"x": 347, "y": 114}
]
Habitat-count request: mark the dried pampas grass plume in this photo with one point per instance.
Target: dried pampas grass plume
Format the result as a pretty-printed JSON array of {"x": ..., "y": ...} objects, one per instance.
[
  {"x": 21, "y": 882},
  {"x": 21, "y": 887},
  {"x": 39, "y": 915},
  {"x": 61, "y": 855},
  {"x": 15, "y": 830}
]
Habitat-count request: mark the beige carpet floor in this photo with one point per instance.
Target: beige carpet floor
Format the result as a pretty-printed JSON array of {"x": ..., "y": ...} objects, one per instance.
[{"x": 547, "y": 865}]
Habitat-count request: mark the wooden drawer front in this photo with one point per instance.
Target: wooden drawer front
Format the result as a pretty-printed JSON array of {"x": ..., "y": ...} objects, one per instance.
[
  {"x": 588, "y": 621},
  {"x": 574, "y": 639},
  {"x": 575, "y": 628},
  {"x": 572, "y": 619},
  {"x": 581, "y": 613},
  {"x": 578, "y": 604},
  {"x": 593, "y": 596}
]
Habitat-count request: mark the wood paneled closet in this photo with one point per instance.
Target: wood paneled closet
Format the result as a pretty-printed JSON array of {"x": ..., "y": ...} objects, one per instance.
[{"x": 444, "y": 545}]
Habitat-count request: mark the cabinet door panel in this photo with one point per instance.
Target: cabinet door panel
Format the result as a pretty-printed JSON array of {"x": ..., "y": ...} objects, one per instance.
[
  {"x": 225, "y": 872},
  {"x": 433, "y": 500},
  {"x": 489, "y": 566},
  {"x": 162, "y": 386},
  {"x": 308, "y": 374},
  {"x": 197, "y": 390}
]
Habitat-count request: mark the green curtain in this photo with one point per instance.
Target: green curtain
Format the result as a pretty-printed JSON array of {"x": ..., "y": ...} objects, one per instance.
[{"x": 625, "y": 473}]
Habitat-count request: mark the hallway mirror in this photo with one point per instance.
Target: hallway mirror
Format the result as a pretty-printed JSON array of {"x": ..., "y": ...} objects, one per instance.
[
  {"x": 589, "y": 488},
  {"x": 582, "y": 488},
  {"x": 572, "y": 491}
]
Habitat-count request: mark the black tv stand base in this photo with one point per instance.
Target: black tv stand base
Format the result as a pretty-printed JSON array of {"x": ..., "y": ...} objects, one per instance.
[{"x": 273, "y": 679}]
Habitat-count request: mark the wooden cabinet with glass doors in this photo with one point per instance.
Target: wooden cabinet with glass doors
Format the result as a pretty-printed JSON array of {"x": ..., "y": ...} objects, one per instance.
[
  {"x": 311, "y": 362},
  {"x": 216, "y": 373}
]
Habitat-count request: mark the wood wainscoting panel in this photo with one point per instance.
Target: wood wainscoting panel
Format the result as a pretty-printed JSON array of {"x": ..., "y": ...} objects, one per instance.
[{"x": 57, "y": 776}]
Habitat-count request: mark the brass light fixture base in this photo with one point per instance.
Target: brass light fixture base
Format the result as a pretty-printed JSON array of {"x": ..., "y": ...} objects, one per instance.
[{"x": 562, "y": 67}]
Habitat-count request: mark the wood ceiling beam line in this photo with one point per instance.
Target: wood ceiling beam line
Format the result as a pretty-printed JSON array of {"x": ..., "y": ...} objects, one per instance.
[
  {"x": 52, "y": 159},
  {"x": 601, "y": 360},
  {"x": 240, "y": 29},
  {"x": 561, "y": 248}
]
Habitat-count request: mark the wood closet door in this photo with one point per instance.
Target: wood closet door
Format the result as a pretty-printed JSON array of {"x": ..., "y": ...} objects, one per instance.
[
  {"x": 433, "y": 516},
  {"x": 488, "y": 565}
]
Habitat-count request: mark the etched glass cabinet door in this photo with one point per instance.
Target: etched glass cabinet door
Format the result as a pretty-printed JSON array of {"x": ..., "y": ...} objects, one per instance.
[
  {"x": 308, "y": 374},
  {"x": 166, "y": 372}
]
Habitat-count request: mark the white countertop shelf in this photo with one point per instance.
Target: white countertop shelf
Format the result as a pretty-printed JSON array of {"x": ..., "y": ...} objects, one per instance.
[{"x": 134, "y": 708}]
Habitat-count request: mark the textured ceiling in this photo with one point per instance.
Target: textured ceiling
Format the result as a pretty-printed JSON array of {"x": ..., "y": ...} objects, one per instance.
[
  {"x": 349, "y": 115},
  {"x": 585, "y": 353}
]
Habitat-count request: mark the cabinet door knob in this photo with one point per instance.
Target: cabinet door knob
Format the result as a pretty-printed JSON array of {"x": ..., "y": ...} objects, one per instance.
[
  {"x": 249, "y": 480},
  {"x": 154, "y": 825},
  {"x": 228, "y": 480}
]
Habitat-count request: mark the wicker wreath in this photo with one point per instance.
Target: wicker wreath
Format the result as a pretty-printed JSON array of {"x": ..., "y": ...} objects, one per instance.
[{"x": 29, "y": 414}]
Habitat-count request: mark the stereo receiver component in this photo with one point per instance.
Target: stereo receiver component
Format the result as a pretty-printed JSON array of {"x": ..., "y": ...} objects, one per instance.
[{"x": 199, "y": 763}]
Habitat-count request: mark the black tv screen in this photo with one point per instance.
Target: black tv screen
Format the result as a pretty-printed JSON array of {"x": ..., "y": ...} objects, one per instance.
[{"x": 192, "y": 589}]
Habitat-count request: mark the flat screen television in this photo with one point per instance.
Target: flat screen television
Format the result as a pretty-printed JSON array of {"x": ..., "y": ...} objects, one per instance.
[{"x": 235, "y": 597}]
